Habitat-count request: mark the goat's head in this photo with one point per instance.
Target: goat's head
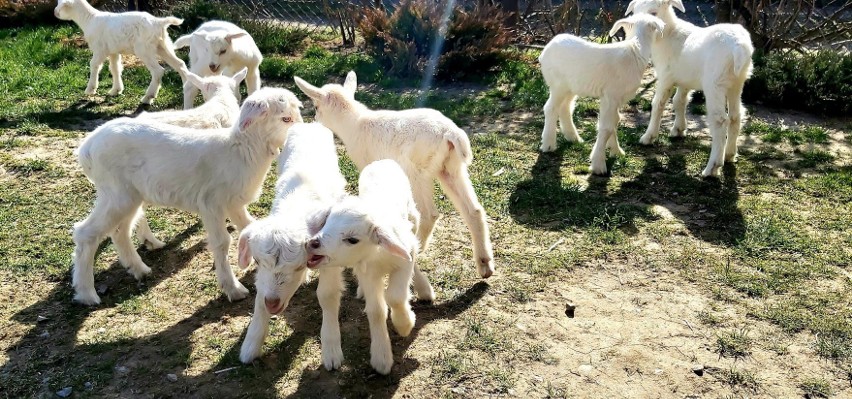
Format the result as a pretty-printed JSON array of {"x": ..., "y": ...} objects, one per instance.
[
  {"x": 214, "y": 49},
  {"x": 350, "y": 235},
  {"x": 64, "y": 9},
  {"x": 271, "y": 110},
  {"x": 639, "y": 25},
  {"x": 654, "y": 7},
  {"x": 331, "y": 99},
  {"x": 278, "y": 249},
  {"x": 212, "y": 85}
]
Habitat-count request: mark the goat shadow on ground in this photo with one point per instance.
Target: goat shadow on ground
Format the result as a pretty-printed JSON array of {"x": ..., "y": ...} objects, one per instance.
[
  {"x": 707, "y": 207},
  {"x": 80, "y": 115},
  {"x": 36, "y": 352}
]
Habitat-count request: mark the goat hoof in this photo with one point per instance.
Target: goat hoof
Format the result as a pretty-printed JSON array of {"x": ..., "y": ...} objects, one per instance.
[
  {"x": 87, "y": 297},
  {"x": 710, "y": 171},
  {"x": 486, "y": 267},
  {"x": 731, "y": 157},
  {"x": 646, "y": 139},
  {"x": 139, "y": 272},
  {"x": 115, "y": 92},
  {"x": 237, "y": 293},
  {"x": 382, "y": 364},
  {"x": 403, "y": 323},
  {"x": 156, "y": 244},
  {"x": 90, "y": 92},
  {"x": 250, "y": 351},
  {"x": 332, "y": 358},
  {"x": 547, "y": 147},
  {"x": 677, "y": 132}
]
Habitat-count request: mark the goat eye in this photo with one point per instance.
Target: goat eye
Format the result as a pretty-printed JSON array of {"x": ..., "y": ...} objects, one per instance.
[
  {"x": 287, "y": 119},
  {"x": 223, "y": 51},
  {"x": 352, "y": 240}
]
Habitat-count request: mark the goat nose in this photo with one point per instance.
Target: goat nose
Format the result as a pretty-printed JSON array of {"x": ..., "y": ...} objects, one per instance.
[
  {"x": 213, "y": 67},
  {"x": 314, "y": 243},
  {"x": 272, "y": 303}
]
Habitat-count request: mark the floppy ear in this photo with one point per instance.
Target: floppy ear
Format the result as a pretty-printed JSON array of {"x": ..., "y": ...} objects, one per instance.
[
  {"x": 389, "y": 240},
  {"x": 183, "y": 41},
  {"x": 315, "y": 93},
  {"x": 621, "y": 23},
  {"x": 629, "y": 9},
  {"x": 660, "y": 25},
  {"x": 244, "y": 250},
  {"x": 195, "y": 80},
  {"x": 351, "y": 82},
  {"x": 239, "y": 76},
  {"x": 251, "y": 111},
  {"x": 233, "y": 36},
  {"x": 678, "y": 4},
  {"x": 317, "y": 221}
]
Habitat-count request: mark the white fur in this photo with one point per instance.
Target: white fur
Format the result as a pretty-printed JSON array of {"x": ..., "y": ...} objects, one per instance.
[
  {"x": 220, "y": 47},
  {"x": 612, "y": 72},
  {"x": 110, "y": 35},
  {"x": 375, "y": 234},
  {"x": 425, "y": 143},
  {"x": 221, "y": 106},
  {"x": 716, "y": 60},
  {"x": 309, "y": 182},
  {"x": 212, "y": 172}
]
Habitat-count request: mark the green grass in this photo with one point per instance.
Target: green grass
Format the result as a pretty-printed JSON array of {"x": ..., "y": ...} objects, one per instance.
[{"x": 758, "y": 249}]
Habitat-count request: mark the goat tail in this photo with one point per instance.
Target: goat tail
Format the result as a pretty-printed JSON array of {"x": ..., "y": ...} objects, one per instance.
[
  {"x": 183, "y": 41},
  {"x": 461, "y": 146},
  {"x": 84, "y": 157},
  {"x": 742, "y": 59},
  {"x": 167, "y": 21}
]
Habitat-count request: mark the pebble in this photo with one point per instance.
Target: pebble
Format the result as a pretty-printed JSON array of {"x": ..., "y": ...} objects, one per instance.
[
  {"x": 585, "y": 369},
  {"x": 101, "y": 289},
  {"x": 44, "y": 335},
  {"x": 88, "y": 385},
  {"x": 40, "y": 318},
  {"x": 172, "y": 377},
  {"x": 122, "y": 370},
  {"x": 569, "y": 309},
  {"x": 64, "y": 392},
  {"x": 458, "y": 390},
  {"x": 537, "y": 378},
  {"x": 658, "y": 371},
  {"x": 698, "y": 369}
]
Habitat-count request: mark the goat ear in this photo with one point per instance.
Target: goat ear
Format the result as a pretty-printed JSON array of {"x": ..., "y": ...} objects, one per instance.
[
  {"x": 678, "y": 4},
  {"x": 250, "y": 112},
  {"x": 317, "y": 221},
  {"x": 389, "y": 240},
  {"x": 351, "y": 82},
  {"x": 660, "y": 25},
  {"x": 630, "y": 8},
  {"x": 183, "y": 41},
  {"x": 233, "y": 36},
  {"x": 244, "y": 250},
  {"x": 315, "y": 93},
  {"x": 621, "y": 23},
  {"x": 239, "y": 76}
]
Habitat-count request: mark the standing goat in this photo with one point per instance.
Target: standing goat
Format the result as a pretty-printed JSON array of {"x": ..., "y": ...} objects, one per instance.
[
  {"x": 716, "y": 60},
  {"x": 374, "y": 233},
  {"x": 425, "y": 143},
  {"x": 220, "y": 47},
  {"x": 612, "y": 72},
  {"x": 110, "y": 35},
  {"x": 309, "y": 183},
  {"x": 214, "y": 173}
]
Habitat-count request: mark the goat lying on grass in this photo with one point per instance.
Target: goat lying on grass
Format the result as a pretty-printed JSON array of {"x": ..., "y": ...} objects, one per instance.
[
  {"x": 425, "y": 143},
  {"x": 110, "y": 35},
  {"x": 374, "y": 233},
  {"x": 212, "y": 172}
]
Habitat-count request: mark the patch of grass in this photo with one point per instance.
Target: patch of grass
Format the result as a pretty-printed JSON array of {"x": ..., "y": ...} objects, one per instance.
[
  {"x": 736, "y": 343},
  {"x": 697, "y": 109},
  {"x": 815, "y": 388},
  {"x": 744, "y": 379},
  {"x": 814, "y": 158}
]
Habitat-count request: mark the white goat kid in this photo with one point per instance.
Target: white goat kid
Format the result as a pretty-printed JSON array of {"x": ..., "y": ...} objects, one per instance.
[
  {"x": 612, "y": 72},
  {"x": 375, "y": 234},
  {"x": 110, "y": 35},
  {"x": 221, "y": 106},
  {"x": 425, "y": 143},
  {"x": 716, "y": 60},
  {"x": 214, "y": 173},
  {"x": 309, "y": 183},
  {"x": 220, "y": 47}
]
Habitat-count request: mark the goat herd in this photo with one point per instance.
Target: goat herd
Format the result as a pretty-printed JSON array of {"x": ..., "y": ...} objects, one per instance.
[{"x": 212, "y": 159}]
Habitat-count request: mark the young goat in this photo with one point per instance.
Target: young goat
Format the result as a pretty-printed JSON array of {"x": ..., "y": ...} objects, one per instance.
[
  {"x": 221, "y": 106},
  {"x": 214, "y": 173},
  {"x": 425, "y": 143},
  {"x": 309, "y": 183},
  {"x": 220, "y": 47},
  {"x": 612, "y": 72},
  {"x": 375, "y": 234},
  {"x": 111, "y": 34},
  {"x": 716, "y": 60}
]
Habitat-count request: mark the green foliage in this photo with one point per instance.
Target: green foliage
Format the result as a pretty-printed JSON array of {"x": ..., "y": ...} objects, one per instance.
[
  {"x": 819, "y": 81},
  {"x": 270, "y": 36},
  {"x": 402, "y": 41}
]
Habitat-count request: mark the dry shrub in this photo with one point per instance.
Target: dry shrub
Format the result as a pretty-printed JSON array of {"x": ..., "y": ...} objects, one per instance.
[{"x": 402, "y": 40}]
